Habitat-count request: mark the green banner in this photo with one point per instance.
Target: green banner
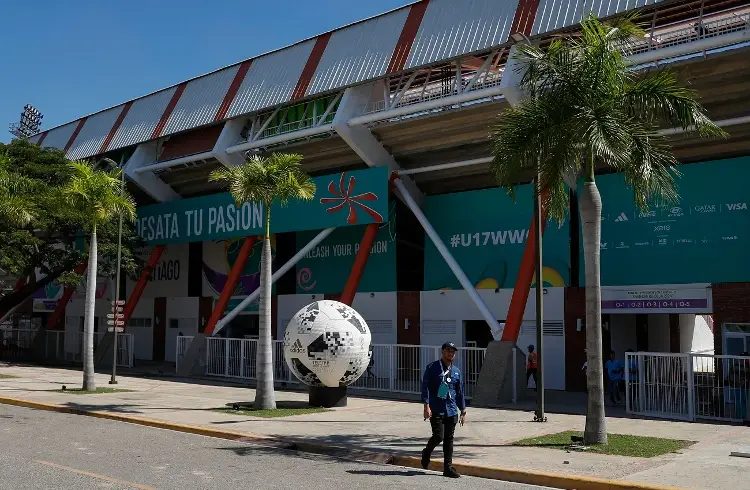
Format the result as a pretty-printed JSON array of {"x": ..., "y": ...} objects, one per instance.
[
  {"x": 325, "y": 269},
  {"x": 705, "y": 238},
  {"x": 486, "y": 233},
  {"x": 344, "y": 199}
]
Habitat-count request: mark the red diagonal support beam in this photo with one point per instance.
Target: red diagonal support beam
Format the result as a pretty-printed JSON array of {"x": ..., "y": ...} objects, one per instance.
[
  {"x": 75, "y": 134},
  {"x": 312, "y": 64},
  {"x": 168, "y": 111},
  {"x": 228, "y": 289},
  {"x": 523, "y": 21},
  {"x": 406, "y": 39},
  {"x": 239, "y": 77},
  {"x": 115, "y": 127},
  {"x": 352, "y": 283},
  {"x": 523, "y": 281},
  {"x": 140, "y": 286},
  {"x": 41, "y": 138},
  {"x": 54, "y": 319}
]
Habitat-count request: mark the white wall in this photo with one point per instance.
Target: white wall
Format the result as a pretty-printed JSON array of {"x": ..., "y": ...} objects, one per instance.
[
  {"x": 143, "y": 336},
  {"x": 185, "y": 311},
  {"x": 553, "y": 352},
  {"x": 695, "y": 334},
  {"x": 622, "y": 334},
  {"x": 170, "y": 277},
  {"x": 288, "y": 306},
  {"x": 380, "y": 312},
  {"x": 443, "y": 312},
  {"x": 76, "y": 307},
  {"x": 658, "y": 333}
]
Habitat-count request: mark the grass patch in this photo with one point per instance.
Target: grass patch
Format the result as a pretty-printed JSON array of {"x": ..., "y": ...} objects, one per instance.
[
  {"x": 7, "y": 376},
  {"x": 618, "y": 444},
  {"x": 80, "y": 391},
  {"x": 283, "y": 409}
]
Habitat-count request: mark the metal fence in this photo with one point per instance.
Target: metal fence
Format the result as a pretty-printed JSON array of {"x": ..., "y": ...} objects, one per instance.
[
  {"x": 394, "y": 368},
  {"x": 183, "y": 343},
  {"x": 57, "y": 345},
  {"x": 17, "y": 344},
  {"x": 687, "y": 386}
]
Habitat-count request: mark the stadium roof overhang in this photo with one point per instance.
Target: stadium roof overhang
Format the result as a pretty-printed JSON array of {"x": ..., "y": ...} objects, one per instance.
[{"x": 429, "y": 115}]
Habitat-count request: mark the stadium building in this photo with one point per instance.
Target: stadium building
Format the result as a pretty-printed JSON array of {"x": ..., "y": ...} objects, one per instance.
[{"x": 412, "y": 92}]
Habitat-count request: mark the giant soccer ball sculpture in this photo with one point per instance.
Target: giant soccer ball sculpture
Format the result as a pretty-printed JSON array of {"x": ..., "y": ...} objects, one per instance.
[{"x": 327, "y": 343}]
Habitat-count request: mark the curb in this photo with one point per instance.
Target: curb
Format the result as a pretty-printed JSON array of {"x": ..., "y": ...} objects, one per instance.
[{"x": 529, "y": 477}]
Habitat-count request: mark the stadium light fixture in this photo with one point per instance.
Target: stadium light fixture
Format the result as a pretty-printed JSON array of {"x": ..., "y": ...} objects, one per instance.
[{"x": 29, "y": 124}]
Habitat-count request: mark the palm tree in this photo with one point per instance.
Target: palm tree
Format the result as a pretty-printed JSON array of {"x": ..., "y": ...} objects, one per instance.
[
  {"x": 585, "y": 109},
  {"x": 97, "y": 196},
  {"x": 280, "y": 178}
]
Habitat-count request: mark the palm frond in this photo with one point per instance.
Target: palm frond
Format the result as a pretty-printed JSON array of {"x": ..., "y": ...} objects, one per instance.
[
  {"x": 585, "y": 109},
  {"x": 278, "y": 177},
  {"x": 660, "y": 97},
  {"x": 97, "y": 195}
]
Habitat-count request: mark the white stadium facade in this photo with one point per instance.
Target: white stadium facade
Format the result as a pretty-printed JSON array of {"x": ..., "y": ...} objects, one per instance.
[{"x": 412, "y": 93}]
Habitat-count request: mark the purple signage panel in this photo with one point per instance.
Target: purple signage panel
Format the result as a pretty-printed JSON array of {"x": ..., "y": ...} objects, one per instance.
[{"x": 639, "y": 304}]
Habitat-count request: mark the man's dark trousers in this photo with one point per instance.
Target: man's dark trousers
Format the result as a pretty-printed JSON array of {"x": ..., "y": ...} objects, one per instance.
[{"x": 443, "y": 427}]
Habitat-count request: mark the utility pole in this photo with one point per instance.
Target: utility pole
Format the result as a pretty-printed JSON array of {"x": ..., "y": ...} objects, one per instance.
[
  {"x": 116, "y": 318},
  {"x": 539, "y": 416}
]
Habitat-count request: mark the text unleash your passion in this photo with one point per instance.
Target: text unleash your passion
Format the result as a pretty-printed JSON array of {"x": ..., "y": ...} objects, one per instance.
[{"x": 194, "y": 223}]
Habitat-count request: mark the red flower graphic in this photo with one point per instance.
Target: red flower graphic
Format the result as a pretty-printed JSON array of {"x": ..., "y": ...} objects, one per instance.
[{"x": 345, "y": 197}]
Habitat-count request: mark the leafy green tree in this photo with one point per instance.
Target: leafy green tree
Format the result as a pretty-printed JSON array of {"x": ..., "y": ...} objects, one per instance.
[
  {"x": 277, "y": 178},
  {"x": 585, "y": 110},
  {"x": 96, "y": 197},
  {"x": 48, "y": 237}
]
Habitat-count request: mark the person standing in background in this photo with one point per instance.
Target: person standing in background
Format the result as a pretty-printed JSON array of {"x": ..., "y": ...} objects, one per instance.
[
  {"x": 615, "y": 369},
  {"x": 531, "y": 367}
]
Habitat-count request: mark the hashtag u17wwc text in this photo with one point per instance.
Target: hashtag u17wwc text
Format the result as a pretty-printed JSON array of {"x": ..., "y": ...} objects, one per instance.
[{"x": 489, "y": 238}]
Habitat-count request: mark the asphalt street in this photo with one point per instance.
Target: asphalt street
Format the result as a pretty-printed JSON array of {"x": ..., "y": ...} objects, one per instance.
[{"x": 48, "y": 450}]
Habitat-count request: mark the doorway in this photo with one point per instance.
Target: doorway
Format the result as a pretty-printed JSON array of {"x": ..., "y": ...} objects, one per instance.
[
  {"x": 477, "y": 334},
  {"x": 242, "y": 326}
]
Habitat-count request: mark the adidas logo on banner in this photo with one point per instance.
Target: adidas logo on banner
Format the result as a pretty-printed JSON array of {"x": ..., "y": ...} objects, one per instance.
[
  {"x": 621, "y": 218},
  {"x": 297, "y": 348}
]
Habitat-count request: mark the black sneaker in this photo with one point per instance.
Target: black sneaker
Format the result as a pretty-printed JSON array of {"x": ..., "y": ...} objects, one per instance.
[
  {"x": 450, "y": 472},
  {"x": 425, "y": 459}
]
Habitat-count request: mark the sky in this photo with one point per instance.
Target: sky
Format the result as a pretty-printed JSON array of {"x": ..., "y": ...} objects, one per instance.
[{"x": 74, "y": 57}]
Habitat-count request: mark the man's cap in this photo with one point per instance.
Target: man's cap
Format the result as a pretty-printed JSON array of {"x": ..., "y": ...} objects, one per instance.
[
  {"x": 449, "y": 345},
  {"x": 531, "y": 347}
]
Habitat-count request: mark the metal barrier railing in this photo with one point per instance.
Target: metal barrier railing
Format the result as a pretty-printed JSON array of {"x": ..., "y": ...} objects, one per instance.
[
  {"x": 183, "y": 343},
  {"x": 57, "y": 345},
  {"x": 394, "y": 368},
  {"x": 687, "y": 386}
]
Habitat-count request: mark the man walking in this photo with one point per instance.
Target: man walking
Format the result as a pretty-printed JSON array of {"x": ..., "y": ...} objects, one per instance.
[{"x": 443, "y": 397}]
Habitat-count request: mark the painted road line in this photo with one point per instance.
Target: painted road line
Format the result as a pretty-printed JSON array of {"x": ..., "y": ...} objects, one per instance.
[{"x": 94, "y": 475}]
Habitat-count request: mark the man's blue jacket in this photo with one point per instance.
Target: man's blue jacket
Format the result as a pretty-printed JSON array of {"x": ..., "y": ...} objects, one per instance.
[{"x": 434, "y": 376}]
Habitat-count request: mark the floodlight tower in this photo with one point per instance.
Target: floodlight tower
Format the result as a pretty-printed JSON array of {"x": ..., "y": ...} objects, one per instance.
[{"x": 28, "y": 126}]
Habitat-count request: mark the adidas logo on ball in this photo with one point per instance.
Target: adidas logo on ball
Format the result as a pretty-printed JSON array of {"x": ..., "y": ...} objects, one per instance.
[{"x": 297, "y": 348}]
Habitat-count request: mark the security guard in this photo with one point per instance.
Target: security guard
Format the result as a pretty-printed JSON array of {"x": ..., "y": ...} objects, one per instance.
[{"x": 443, "y": 397}]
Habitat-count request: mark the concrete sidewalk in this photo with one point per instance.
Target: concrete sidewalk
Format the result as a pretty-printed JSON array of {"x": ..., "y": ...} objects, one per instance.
[{"x": 397, "y": 426}]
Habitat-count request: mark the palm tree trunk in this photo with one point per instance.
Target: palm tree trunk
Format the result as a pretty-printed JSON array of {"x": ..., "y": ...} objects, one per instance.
[
  {"x": 265, "y": 398},
  {"x": 89, "y": 383},
  {"x": 591, "y": 217}
]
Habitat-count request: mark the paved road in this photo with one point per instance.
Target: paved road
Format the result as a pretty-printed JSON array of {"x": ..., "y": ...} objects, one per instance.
[{"x": 59, "y": 451}]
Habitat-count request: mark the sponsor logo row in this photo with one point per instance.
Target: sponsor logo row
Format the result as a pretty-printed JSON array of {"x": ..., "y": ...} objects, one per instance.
[{"x": 679, "y": 211}]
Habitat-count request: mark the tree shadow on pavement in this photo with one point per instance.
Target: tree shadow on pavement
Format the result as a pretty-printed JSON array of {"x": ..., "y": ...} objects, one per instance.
[
  {"x": 389, "y": 472},
  {"x": 380, "y": 443},
  {"x": 114, "y": 408}
]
